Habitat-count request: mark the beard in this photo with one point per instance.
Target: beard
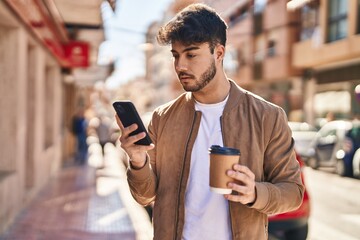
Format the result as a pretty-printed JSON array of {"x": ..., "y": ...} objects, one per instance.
[{"x": 204, "y": 79}]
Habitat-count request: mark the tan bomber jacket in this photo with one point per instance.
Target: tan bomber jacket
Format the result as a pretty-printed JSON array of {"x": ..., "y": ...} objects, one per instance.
[{"x": 256, "y": 127}]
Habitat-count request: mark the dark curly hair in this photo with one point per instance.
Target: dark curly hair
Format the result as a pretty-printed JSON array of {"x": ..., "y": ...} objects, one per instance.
[{"x": 197, "y": 23}]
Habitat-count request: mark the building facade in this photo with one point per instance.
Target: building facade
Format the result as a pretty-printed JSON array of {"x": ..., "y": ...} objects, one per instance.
[
  {"x": 39, "y": 91},
  {"x": 329, "y": 52}
]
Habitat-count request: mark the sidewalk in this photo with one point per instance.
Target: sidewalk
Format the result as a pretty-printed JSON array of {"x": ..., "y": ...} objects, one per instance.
[{"x": 84, "y": 202}]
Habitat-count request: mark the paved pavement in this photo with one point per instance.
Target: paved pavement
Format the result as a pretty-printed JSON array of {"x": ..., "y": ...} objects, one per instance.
[{"x": 84, "y": 202}]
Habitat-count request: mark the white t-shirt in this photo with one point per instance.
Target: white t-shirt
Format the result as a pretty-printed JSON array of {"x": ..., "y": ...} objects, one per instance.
[{"x": 206, "y": 213}]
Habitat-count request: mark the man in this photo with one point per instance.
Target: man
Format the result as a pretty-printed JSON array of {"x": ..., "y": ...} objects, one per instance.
[
  {"x": 351, "y": 145},
  {"x": 174, "y": 171},
  {"x": 79, "y": 127}
]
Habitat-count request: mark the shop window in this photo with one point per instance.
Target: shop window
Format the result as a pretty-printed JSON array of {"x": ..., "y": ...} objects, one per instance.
[
  {"x": 337, "y": 20},
  {"x": 324, "y": 102},
  {"x": 309, "y": 20}
]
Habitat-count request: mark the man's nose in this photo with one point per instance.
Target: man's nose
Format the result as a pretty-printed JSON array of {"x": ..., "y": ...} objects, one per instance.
[{"x": 181, "y": 65}]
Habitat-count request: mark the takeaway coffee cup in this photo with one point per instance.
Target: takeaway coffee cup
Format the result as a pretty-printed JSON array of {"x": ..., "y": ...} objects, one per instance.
[{"x": 221, "y": 160}]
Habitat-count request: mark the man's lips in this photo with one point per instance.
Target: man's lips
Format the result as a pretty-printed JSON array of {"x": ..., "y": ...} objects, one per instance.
[{"x": 185, "y": 76}]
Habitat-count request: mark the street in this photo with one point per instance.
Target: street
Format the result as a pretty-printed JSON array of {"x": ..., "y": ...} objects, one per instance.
[{"x": 335, "y": 206}]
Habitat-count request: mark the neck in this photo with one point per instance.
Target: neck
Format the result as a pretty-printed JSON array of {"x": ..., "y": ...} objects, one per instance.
[{"x": 216, "y": 91}]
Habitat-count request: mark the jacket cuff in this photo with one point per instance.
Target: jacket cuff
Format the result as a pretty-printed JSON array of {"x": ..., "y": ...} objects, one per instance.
[
  {"x": 139, "y": 175},
  {"x": 262, "y": 196}
]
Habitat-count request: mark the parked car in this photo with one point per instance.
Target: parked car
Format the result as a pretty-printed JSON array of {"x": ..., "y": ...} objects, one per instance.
[
  {"x": 334, "y": 147},
  {"x": 291, "y": 225},
  {"x": 303, "y": 134}
]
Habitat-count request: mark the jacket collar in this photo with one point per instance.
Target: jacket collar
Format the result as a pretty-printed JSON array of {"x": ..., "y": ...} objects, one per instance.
[{"x": 236, "y": 96}]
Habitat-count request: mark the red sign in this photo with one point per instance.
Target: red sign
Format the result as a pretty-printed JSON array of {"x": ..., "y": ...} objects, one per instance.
[{"x": 77, "y": 54}]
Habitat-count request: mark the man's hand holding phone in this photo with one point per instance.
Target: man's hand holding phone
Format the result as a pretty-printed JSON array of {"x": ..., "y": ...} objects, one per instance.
[
  {"x": 134, "y": 137},
  {"x": 137, "y": 153}
]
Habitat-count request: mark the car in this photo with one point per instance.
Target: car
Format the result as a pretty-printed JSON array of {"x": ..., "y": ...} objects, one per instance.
[
  {"x": 334, "y": 148},
  {"x": 303, "y": 134},
  {"x": 292, "y": 225}
]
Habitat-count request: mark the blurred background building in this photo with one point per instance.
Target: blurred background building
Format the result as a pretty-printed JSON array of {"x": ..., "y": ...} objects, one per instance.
[
  {"x": 48, "y": 69},
  {"x": 302, "y": 55}
]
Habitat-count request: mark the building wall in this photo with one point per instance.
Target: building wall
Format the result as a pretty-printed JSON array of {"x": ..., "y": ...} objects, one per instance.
[
  {"x": 264, "y": 41},
  {"x": 331, "y": 67},
  {"x": 317, "y": 51},
  {"x": 30, "y": 153}
]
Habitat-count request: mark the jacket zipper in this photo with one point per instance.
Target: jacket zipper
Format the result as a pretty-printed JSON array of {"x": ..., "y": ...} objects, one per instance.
[
  {"x": 181, "y": 178},
  {"x": 223, "y": 136}
]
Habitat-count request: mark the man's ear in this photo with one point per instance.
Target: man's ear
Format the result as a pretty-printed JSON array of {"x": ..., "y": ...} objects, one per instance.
[{"x": 219, "y": 52}]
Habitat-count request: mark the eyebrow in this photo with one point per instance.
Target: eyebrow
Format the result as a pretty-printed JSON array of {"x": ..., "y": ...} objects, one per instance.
[{"x": 187, "y": 49}]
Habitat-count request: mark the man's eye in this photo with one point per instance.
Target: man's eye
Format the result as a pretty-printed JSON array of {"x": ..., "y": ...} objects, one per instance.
[{"x": 191, "y": 55}]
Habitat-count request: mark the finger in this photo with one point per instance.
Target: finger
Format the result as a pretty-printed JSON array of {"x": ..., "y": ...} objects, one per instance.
[
  {"x": 136, "y": 149},
  {"x": 127, "y": 140},
  {"x": 119, "y": 123},
  {"x": 243, "y": 194},
  {"x": 130, "y": 129},
  {"x": 245, "y": 170},
  {"x": 143, "y": 148},
  {"x": 243, "y": 190},
  {"x": 134, "y": 138},
  {"x": 239, "y": 176},
  {"x": 235, "y": 198}
]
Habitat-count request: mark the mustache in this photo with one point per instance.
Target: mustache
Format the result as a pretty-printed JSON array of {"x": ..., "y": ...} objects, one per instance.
[{"x": 183, "y": 74}]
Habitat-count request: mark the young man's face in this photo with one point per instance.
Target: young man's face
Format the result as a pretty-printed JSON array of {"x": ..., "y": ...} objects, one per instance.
[{"x": 194, "y": 64}]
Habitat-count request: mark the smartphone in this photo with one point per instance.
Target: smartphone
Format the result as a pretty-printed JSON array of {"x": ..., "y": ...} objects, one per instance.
[{"x": 128, "y": 115}]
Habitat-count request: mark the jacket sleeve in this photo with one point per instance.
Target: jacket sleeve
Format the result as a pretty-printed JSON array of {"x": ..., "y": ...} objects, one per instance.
[
  {"x": 282, "y": 189},
  {"x": 143, "y": 182}
]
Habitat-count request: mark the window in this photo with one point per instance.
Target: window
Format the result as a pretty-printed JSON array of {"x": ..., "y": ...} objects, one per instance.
[
  {"x": 231, "y": 63},
  {"x": 260, "y": 49},
  {"x": 309, "y": 20},
  {"x": 259, "y": 6},
  {"x": 271, "y": 50},
  {"x": 238, "y": 16},
  {"x": 337, "y": 20}
]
